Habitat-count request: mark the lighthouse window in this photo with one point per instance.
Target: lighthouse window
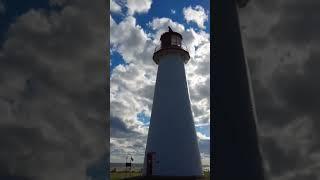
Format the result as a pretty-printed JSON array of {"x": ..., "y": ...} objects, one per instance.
[{"x": 175, "y": 40}]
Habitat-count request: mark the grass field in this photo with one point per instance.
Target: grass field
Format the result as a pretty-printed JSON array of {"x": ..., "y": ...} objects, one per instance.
[{"x": 123, "y": 175}]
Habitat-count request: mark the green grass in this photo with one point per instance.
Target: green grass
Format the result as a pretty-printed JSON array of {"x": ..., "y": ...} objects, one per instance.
[
  {"x": 206, "y": 175},
  {"x": 122, "y": 175}
]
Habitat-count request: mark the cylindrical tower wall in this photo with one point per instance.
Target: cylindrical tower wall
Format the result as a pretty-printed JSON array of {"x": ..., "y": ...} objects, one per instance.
[
  {"x": 172, "y": 134},
  {"x": 236, "y": 148}
]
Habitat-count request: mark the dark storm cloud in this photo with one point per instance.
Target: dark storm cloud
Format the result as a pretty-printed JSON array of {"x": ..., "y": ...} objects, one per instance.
[
  {"x": 119, "y": 129},
  {"x": 281, "y": 39},
  {"x": 300, "y": 90},
  {"x": 53, "y": 92},
  {"x": 2, "y": 8},
  {"x": 25, "y": 149},
  {"x": 298, "y": 23},
  {"x": 279, "y": 160},
  {"x": 268, "y": 6},
  {"x": 269, "y": 111},
  {"x": 98, "y": 168},
  {"x": 147, "y": 92},
  {"x": 258, "y": 42},
  {"x": 305, "y": 176}
]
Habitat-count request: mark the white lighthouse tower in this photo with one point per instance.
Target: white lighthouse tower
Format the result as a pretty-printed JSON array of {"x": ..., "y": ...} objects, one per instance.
[{"x": 172, "y": 146}]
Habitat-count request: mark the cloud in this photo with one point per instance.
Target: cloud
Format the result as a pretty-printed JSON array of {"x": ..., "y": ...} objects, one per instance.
[
  {"x": 293, "y": 16},
  {"x": 2, "y": 8},
  {"x": 130, "y": 40},
  {"x": 202, "y": 136},
  {"x": 205, "y": 159},
  {"x": 52, "y": 87},
  {"x": 196, "y": 15},
  {"x": 283, "y": 60},
  {"x": 114, "y": 7},
  {"x": 138, "y": 6},
  {"x": 173, "y": 11},
  {"x": 160, "y": 25}
]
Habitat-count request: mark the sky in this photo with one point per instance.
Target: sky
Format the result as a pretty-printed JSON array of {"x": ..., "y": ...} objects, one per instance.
[{"x": 135, "y": 30}]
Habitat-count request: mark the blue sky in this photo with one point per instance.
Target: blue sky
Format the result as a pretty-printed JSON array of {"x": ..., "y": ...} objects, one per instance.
[
  {"x": 135, "y": 32},
  {"x": 164, "y": 8}
]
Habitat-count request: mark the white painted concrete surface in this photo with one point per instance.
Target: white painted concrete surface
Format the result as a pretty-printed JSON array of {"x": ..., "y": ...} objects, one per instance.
[{"x": 172, "y": 132}]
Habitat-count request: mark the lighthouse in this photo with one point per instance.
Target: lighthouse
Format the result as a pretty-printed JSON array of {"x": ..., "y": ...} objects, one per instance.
[
  {"x": 172, "y": 146},
  {"x": 236, "y": 151}
]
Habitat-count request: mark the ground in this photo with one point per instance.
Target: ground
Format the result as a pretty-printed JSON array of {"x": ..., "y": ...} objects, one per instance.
[{"x": 137, "y": 175}]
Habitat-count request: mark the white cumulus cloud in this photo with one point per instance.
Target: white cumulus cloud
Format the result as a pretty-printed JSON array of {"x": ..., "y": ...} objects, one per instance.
[
  {"x": 138, "y": 6},
  {"x": 114, "y": 7},
  {"x": 196, "y": 14}
]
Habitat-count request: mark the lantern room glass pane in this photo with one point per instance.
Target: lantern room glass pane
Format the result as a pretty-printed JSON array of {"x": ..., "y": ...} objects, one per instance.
[{"x": 175, "y": 40}]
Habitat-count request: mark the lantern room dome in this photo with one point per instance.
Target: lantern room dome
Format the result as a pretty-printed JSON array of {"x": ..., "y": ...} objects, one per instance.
[
  {"x": 170, "y": 38},
  {"x": 170, "y": 42}
]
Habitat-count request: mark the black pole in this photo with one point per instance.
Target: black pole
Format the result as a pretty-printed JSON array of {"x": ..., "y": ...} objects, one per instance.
[{"x": 235, "y": 149}]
